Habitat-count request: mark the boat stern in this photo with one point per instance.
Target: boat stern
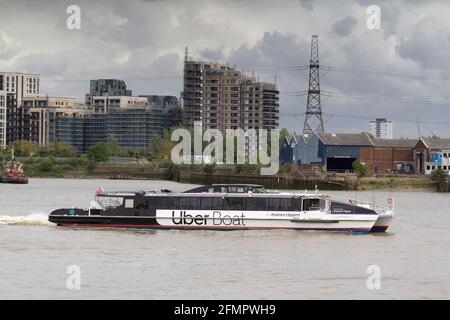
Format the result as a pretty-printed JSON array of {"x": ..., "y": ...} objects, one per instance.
[{"x": 383, "y": 222}]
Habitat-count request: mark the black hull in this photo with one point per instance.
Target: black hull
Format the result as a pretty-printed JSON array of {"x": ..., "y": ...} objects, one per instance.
[
  {"x": 124, "y": 222},
  {"x": 102, "y": 221},
  {"x": 14, "y": 180}
]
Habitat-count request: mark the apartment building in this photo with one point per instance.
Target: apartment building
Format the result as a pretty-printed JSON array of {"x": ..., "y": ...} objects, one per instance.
[
  {"x": 42, "y": 114},
  {"x": 101, "y": 104},
  {"x": 381, "y": 128},
  {"x": 14, "y": 87},
  {"x": 220, "y": 97},
  {"x": 109, "y": 87}
]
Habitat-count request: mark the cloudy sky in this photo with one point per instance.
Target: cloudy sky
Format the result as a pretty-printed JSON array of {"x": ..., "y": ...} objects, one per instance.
[{"x": 400, "y": 71}]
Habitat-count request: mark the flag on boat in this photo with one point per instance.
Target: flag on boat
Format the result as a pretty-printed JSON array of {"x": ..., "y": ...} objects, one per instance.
[
  {"x": 99, "y": 190},
  {"x": 390, "y": 201}
]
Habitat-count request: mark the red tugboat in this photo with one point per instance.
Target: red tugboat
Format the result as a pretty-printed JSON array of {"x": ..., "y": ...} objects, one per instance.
[{"x": 12, "y": 172}]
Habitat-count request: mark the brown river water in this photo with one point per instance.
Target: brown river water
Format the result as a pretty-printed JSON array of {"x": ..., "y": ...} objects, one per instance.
[{"x": 412, "y": 258}]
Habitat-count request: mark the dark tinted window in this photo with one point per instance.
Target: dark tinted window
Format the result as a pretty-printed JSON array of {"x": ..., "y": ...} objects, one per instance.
[
  {"x": 195, "y": 203},
  {"x": 233, "y": 203},
  {"x": 209, "y": 203},
  {"x": 280, "y": 204},
  {"x": 256, "y": 204},
  {"x": 311, "y": 204}
]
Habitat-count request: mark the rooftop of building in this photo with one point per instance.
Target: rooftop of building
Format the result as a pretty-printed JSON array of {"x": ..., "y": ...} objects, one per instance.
[
  {"x": 436, "y": 143},
  {"x": 394, "y": 143},
  {"x": 346, "y": 139},
  {"x": 20, "y": 73},
  {"x": 48, "y": 97}
]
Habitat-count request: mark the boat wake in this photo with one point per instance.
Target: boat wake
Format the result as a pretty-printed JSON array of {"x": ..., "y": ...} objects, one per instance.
[{"x": 35, "y": 219}]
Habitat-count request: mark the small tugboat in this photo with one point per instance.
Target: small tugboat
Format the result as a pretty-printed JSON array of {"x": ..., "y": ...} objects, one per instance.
[
  {"x": 225, "y": 207},
  {"x": 12, "y": 172}
]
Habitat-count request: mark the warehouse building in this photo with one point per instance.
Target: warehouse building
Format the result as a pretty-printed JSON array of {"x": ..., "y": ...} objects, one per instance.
[
  {"x": 339, "y": 151},
  {"x": 389, "y": 155}
]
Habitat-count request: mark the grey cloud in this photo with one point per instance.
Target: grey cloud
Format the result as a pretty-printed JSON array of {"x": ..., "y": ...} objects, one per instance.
[
  {"x": 343, "y": 27},
  {"x": 307, "y": 4},
  {"x": 212, "y": 54},
  {"x": 430, "y": 51}
]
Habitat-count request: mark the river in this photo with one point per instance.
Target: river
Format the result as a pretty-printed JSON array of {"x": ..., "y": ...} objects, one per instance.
[{"x": 410, "y": 261}]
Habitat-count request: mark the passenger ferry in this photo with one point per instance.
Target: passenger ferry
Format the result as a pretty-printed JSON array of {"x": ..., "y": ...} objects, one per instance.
[{"x": 226, "y": 207}]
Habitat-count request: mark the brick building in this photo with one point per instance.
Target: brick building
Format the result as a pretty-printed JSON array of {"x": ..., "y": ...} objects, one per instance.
[{"x": 386, "y": 155}]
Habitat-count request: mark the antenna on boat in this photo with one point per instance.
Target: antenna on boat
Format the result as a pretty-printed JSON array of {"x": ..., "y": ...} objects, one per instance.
[{"x": 373, "y": 197}]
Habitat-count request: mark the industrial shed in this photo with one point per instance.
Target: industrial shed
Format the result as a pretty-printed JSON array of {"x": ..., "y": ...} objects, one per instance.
[
  {"x": 339, "y": 150},
  {"x": 387, "y": 155}
]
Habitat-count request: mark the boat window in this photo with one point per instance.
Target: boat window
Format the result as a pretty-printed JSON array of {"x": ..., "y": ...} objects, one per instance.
[
  {"x": 234, "y": 203},
  {"x": 311, "y": 204},
  {"x": 182, "y": 203},
  {"x": 142, "y": 205},
  {"x": 192, "y": 203},
  {"x": 208, "y": 204},
  {"x": 256, "y": 204},
  {"x": 296, "y": 204},
  {"x": 285, "y": 204},
  {"x": 236, "y": 189},
  {"x": 280, "y": 204},
  {"x": 162, "y": 203},
  {"x": 129, "y": 203},
  {"x": 110, "y": 202}
]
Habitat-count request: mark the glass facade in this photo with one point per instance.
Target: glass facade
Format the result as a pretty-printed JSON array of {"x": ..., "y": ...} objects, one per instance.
[{"x": 131, "y": 127}]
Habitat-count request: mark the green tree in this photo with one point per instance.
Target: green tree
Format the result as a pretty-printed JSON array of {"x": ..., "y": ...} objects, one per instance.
[
  {"x": 113, "y": 146},
  {"x": 61, "y": 149},
  {"x": 23, "y": 148},
  {"x": 99, "y": 152},
  {"x": 5, "y": 154},
  {"x": 371, "y": 136},
  {"x": 209, "y": 168},
  {"x": 155, "y": 146},
  {"x": 47, "y": 165},
  {"x": 161, "y": 145},
  {"x": 360, "y": 168},
  {"x": 439, "y": 176},
  {"x": 284, "y": 133}
]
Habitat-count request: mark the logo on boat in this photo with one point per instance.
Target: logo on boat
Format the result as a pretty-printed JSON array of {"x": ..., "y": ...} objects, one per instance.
[{"x": 215, "y": 219}]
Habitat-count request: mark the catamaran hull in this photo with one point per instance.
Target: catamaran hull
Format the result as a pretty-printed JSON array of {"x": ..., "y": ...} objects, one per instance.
[
  {"x": 383, "y": 222},
  {"x": 361, "y": 226}
]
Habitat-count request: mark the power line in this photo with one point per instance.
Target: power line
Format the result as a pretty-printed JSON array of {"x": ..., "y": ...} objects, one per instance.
[
  {"x": 348, "y": 116},
  {"x": 379, "y": 98},
  {"x": 171, "y": 76},
  {"x": 388, "y": 99},
  {"x": 382, "y": 74}
]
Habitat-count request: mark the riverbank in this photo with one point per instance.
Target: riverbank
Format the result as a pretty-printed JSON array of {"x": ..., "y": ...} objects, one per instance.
[{"x": 286, "y": 179}]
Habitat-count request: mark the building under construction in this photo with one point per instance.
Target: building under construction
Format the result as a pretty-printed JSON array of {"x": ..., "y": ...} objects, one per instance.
[{"x": 220, "y": 97}]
